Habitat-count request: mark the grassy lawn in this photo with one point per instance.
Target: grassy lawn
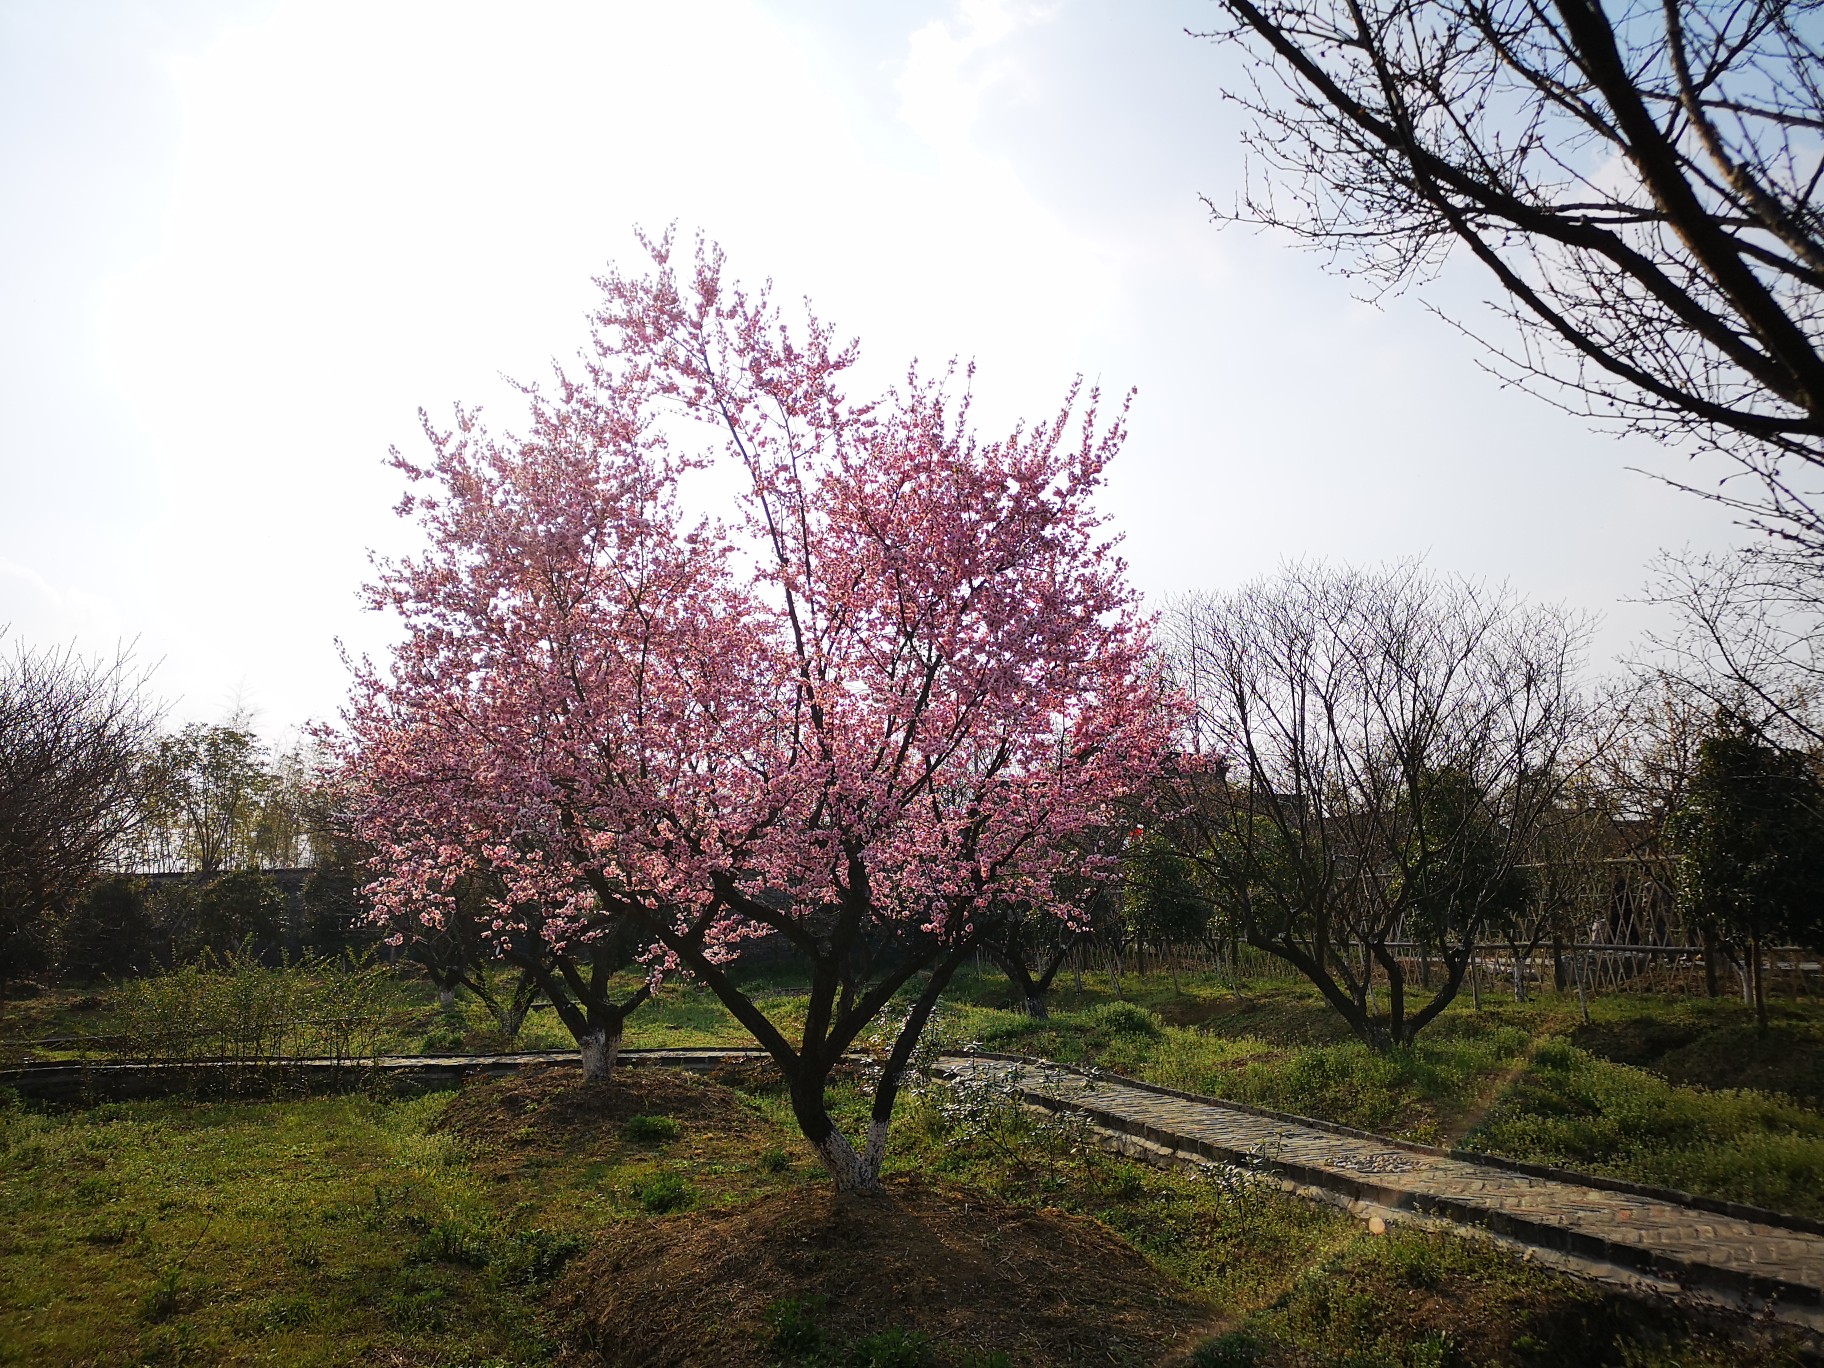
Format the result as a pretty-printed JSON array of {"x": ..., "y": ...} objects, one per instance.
[
  {"x": 1675, "y": 1091},
  {"x": 519, "y": 1219},
  {"x": 1669, "y": 1090}
]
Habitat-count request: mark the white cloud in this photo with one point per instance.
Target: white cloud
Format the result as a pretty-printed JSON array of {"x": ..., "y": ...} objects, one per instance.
[
  {"x": 34, "y": 610},
  {"x": 951, "y": 64}
]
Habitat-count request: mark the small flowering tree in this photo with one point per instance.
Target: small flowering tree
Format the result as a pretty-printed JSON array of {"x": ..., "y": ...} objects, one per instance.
[{"x": 895, "y": 691}]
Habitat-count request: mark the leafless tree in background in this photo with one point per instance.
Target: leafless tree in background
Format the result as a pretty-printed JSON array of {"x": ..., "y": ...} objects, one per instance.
[
  {"x": 1392, "y": 742},
  {"x": 1641, "y": 179},
  {"x": 1749, "y": 636},
  {"x": 75, "y": 736}
]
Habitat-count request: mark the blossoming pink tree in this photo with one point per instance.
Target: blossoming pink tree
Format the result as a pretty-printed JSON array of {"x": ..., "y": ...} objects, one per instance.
[{"x": 897, "y": 688}]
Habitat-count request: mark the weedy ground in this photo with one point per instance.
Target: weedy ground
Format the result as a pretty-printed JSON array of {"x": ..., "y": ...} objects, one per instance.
[
  {"x": 1677, "y": 1091},
  {"x": 668, "y": 1218}
]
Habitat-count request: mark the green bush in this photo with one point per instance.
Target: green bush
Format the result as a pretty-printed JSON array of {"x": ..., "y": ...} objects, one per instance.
[
  {"x": 1237, "y": 1349},
  {"x": 775, "y": 1160},
  {"x": 530, "y": 1257},
  {"x": 235, "y": 1009},
  {"x": 109, "y": 932},
  {"x": 793, "y": 1327},
  {"x": 220, "y": 915},
  {"x": 650, "y": 1130},
  {"x": 666, "y": 1192},
  {"x": 1125, "y": 1018},
  {"x": 893, "y": 1348}
]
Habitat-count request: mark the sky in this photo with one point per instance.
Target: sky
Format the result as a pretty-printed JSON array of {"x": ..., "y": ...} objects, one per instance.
[{"x": 244, "y": 242}]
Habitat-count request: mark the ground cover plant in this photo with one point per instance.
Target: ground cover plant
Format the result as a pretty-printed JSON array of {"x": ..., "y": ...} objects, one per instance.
[{"x": 533, "y": 1218}]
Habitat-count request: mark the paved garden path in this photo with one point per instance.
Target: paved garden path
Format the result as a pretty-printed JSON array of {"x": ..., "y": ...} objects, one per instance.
[{"x": 1676, "y": 1239}]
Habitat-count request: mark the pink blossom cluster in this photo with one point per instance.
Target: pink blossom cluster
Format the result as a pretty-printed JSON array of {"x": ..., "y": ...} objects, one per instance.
[{"x": 904, "y": 672}]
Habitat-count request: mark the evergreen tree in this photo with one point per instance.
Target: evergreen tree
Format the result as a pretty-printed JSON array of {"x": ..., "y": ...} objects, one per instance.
[{"x": 1751, "y": 845}]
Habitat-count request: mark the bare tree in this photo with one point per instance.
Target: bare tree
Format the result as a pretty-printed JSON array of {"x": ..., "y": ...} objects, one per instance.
[
  {"x": 1749, "y": 639},
  {"x": 1391, "y": 741},
  {"x": 1642, "y": 180},
  {"x": 74, "y": 738}
]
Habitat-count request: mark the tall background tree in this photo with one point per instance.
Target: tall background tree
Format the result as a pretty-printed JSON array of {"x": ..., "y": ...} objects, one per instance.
[
  {"x": 75, "y": 735},
  {"x": 1389, "y": 743},
  {"x": 1641, "y": 180},
  {"x": 221, "y": 802},
  {"x": 1751, "y": 837}
]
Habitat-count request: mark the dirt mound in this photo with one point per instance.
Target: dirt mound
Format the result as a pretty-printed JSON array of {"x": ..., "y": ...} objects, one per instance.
[
  {"x": 971, "y": 1273},
  {"x": 762, "y": 1076},
  {"x": 556, "y": 1109}
]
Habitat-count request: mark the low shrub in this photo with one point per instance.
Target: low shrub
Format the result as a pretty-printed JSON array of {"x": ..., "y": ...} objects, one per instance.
[
  {"x": 1124, "y": 1018},
  {"x": 235, "y": 1009},
  {"x": 663, "y": 1193},
  {"x": 775, "y": 1160},
  {"x": 650, "y": 1130},
  {"x": 1237, "y": 1349}
]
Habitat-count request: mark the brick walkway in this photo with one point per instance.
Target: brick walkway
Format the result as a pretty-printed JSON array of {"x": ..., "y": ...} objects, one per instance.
[{"x": 1712, "y": 1244}]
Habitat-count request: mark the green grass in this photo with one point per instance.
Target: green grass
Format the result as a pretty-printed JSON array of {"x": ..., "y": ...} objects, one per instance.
[
  {"x": 328, "y": 1231},
  {"x": 1301, "y": 1283},
  {"x": 1572, "y": 1109},
  {"x": 348, "y": 1230},
  {"x": 1672, "y": 1090},
  {"x": 1646, "y": 1091}
]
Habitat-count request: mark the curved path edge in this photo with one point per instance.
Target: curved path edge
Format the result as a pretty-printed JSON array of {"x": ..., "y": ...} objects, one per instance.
[{"x": 1763, "y": 1256}]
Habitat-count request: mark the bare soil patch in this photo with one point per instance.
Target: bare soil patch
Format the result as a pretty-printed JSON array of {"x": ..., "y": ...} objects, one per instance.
[
  {"x": 972, "y": 1273},
  {"x": 555, "y": 1111}
]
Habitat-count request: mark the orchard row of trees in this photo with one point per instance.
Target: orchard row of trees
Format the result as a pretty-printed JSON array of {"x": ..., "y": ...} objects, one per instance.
[{"x": 1409, "y": 764}]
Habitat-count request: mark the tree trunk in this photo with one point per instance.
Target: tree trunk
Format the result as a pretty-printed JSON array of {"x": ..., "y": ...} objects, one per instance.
[
  {"x": 446, "y": 997},
  {"x": 1558, "y": 963},
  {"x": 1710, "y": 954},
  {"x": 1475, "y": 984},
  {"x": 600, "y": 1048},
  {"x": 1760, "y": 987},
  {"x": 849, "y": 1171},
  {"x": 1028, "y": 992}
]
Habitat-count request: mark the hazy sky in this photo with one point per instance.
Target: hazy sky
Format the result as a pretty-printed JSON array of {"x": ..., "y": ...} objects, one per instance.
[{"x": 242, "y": 243}]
